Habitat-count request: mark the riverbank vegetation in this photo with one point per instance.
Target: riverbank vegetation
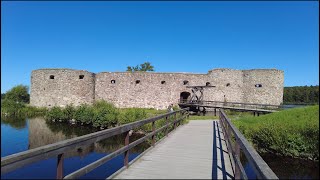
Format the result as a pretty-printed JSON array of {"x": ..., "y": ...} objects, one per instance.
[
  {"x": 292, "y": 132},
  {"x": 15, "y": 103},
  {"x": 104, "y": 115}
]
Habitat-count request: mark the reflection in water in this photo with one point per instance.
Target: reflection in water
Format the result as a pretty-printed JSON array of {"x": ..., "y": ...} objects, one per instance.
[
  {"x": 16, "y": 122},
  {"x": 43, "y": 132},
  {"x": 285, "y": 167},
  {"x": 37, "y": 132},
  {"x": 292, "y": 168}
]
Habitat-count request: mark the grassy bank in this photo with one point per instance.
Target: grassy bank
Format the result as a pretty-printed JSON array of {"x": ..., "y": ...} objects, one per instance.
[
  {"x": 292, "y": 132},
  {"x": 12, "y": 108}
]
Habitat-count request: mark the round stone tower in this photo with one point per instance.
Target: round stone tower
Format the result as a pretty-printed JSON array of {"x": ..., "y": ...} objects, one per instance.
[{"x": 60, "y": 87}]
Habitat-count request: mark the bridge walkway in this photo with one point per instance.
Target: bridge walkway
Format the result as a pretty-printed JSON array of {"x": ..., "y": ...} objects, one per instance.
[
  {"x": 196, "y": 150},
  {"x": 251, "y": 109}
]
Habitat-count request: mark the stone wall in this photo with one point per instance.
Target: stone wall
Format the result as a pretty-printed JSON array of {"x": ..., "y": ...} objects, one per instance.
[
  {"x": 154, "y": 90},
  {"x": 271, "y": 90},
  {"x": 59, "y": 87}
]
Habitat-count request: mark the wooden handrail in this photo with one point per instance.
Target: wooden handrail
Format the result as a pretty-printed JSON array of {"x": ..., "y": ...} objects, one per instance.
[
  {"x": 15, "y": 161},
  {"x": 261, "y": 168},
  {"x": 239, "y": 103}
]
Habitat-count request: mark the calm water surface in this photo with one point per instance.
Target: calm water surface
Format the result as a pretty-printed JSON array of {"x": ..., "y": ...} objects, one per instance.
[{"x": 20, "y": 134}]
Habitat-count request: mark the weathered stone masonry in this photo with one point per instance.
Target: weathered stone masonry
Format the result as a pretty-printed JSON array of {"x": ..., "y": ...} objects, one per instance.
[{"x": 59, "y": 87}]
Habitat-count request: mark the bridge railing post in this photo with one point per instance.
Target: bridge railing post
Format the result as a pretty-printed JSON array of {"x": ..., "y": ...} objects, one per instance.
[
  {"x": 174, "y": 124},
  {"x": 126, "y": 153},
  {"x": 154, "y": 135},
  {"x": 60, "y": 166},
  {"x": 237, "y": 174},
  {"x": 167, "y": 122}
]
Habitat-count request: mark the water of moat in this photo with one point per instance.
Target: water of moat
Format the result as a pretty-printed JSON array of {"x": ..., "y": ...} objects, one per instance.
[{"x": 20, "y": 134}]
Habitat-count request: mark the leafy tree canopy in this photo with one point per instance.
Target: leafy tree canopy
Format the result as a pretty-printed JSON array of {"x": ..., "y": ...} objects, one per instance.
[
  {"x": 142, "y": 67},
  {"x": 301, "y": 95},
  {"x": 18, "y": 93}
]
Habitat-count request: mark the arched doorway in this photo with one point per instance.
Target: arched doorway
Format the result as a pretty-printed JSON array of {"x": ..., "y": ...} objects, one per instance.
[{"x": 184, "y": 96}]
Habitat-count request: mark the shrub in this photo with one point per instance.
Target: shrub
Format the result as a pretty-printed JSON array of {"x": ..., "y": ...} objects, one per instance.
[
  {"x": 131, "y": 114},
  {"x": 55, "y": 114},
  {"x": 104, "y": 114},
  {"x": 84, "y": 114},
  {"x": 68, "y": 112}
]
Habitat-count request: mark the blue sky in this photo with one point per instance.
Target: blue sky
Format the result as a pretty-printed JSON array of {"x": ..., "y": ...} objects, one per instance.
[{"x": 173, "y": 36}]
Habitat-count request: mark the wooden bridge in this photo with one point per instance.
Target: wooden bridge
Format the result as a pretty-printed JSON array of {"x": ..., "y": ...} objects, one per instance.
[
  {"x": 209, "y": 149},
  {"x": 202, "y": 106}
]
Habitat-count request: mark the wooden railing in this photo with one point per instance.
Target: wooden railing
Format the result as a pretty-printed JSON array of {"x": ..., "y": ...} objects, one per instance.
[
  {"x": 234, "y": 104},
  {"x": 237, "y": 142},
  {"x": 15, "y": 161}
]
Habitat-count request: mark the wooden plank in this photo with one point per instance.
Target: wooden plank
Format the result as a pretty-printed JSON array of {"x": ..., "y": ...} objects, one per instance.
[{"x": 184, "y": 154}]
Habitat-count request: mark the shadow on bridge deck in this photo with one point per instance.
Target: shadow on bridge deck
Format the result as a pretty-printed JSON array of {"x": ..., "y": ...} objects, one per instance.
[{"x": 196, "y": 150}]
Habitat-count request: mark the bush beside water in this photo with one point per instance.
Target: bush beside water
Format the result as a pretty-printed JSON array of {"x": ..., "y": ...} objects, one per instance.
[
  {"x": 293, "y": 132},
  {"x": 104, "y": 115}
]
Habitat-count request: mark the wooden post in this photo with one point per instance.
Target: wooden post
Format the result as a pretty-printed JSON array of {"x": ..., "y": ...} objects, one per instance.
[
  {"x": 254, "y": 113},
  {"x": 153, "y": 136},
  {"x": 258, "y": 113},
  {"x": 167, "y": 129},
  {"x": 237, "y": 153},
  {"x": 229, "y": 132},
  {"x": 126, "y": 153},
  {"x": 174, "y": 124},
  {"x": 215, "y": 111},
  {"x": 60, "y": 166}
]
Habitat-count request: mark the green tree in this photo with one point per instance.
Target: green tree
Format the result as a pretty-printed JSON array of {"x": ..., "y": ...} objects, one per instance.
[
  {"x": 301, "y": 94},
  {"x": 3, "y": 95},
  {"x": 142, "y": 67},
  {"x": 19, "y": 94}
]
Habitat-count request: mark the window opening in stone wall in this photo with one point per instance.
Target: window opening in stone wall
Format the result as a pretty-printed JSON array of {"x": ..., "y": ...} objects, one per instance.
[
  {"x": 81, "y": 76},
  {"x": 163, "y": 82},
  {"x": 185, "y": 82},
  {"x": 228, "y": 84},
  {"x": 258, "y": 85},
  {"x": 137, "y": 81},
  {"x": 113, "y": 81},
  {"x": 51, "y": 76},
  {"x": 207, "y": 83}
]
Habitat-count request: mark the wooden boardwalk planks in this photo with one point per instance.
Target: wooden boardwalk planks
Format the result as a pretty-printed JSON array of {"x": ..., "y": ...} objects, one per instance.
[{"x": 193, "y": 151}]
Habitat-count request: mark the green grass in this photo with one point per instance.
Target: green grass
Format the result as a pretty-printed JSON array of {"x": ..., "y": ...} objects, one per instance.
[
  {"x": 12, "y": 108},
  {"x": 292, "y": 132}
]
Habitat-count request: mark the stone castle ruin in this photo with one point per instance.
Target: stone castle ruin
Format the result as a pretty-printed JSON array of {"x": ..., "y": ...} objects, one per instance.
[{"x": 60, "y": 87}]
